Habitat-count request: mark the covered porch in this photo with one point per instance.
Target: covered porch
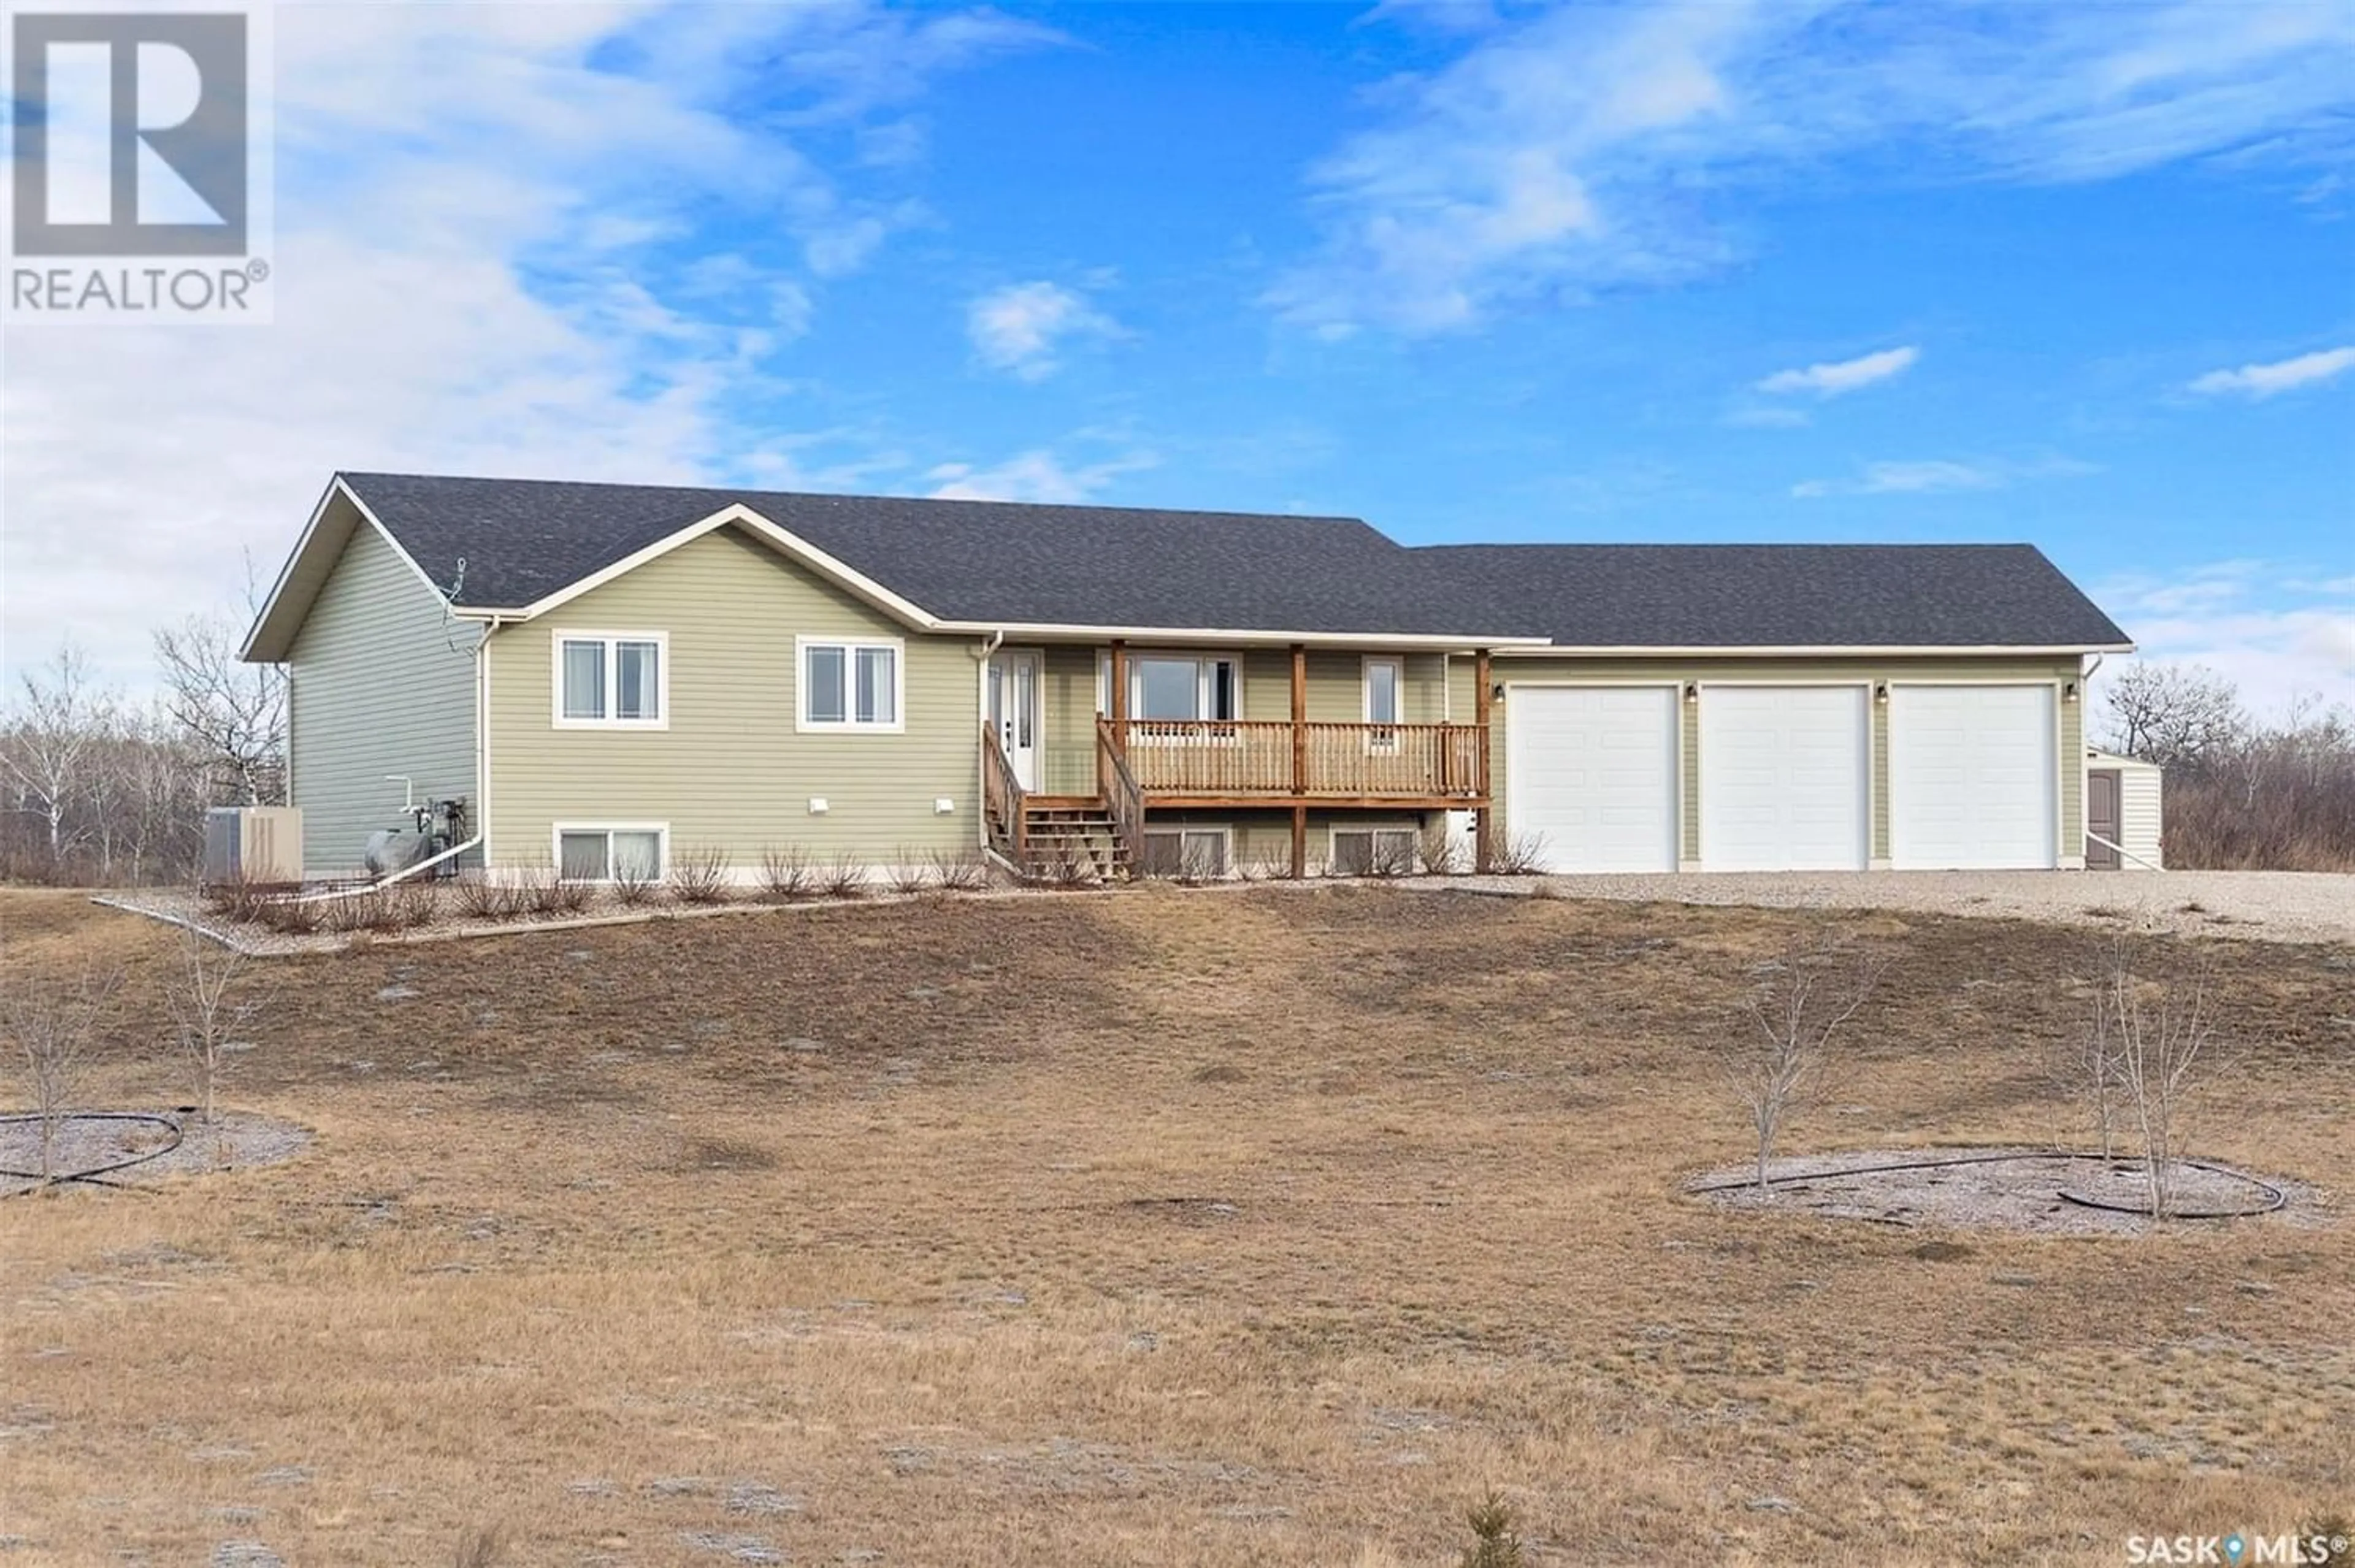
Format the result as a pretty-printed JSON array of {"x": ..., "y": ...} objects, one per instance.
[{"x": 1080, "y": 744}]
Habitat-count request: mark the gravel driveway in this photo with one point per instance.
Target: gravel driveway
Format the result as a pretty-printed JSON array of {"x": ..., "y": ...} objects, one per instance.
[{"x": 2261, "y": 906}]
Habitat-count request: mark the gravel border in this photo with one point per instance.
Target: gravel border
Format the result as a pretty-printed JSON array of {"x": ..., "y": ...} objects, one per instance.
[
  {"x": 2249, "y": 906},
  {"x": 2023, "y": 1192},
  {"x": 236, "y": 1140}
]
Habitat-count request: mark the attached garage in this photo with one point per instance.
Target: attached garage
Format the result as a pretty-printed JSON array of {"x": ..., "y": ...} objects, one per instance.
[
  {"x": 1973, "y": 779},
  {"x": 1590, "y": 775},
  {"x": 1785, "y": 778}
]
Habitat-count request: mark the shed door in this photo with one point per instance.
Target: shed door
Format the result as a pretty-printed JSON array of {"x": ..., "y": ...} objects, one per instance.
[
  {"x": 2104, "y": 820},
  {"x": 1590, "y": 775},
  {"x": 1973, "y": 779},
  {"x": 1782, "y": 778}
]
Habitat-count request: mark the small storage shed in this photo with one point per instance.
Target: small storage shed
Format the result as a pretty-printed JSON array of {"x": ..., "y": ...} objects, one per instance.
[{"x": 2125, "y": 813}]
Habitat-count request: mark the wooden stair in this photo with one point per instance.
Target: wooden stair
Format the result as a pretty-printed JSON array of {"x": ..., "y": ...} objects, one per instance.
[{"x": 1066, "y": 842}]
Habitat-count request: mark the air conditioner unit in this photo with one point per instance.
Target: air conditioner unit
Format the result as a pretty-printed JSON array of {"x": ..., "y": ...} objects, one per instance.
[{"x": 254, "y": 844}]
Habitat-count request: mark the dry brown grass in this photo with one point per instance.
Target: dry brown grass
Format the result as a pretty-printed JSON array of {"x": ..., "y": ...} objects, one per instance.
[{"x": 1231, "y": 1228}]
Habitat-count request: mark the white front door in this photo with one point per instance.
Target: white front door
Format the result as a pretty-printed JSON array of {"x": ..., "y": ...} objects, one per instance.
[
  {"x": 1782, "y": 778},
  {"x": 1015, "y": 686}
]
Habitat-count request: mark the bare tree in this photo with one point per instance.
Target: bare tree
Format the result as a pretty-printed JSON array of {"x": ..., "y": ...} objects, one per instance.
[
  {"x": 206, "y": 995},
  {"x": 61, "y": 719},
  {"x": 51, "y": 1023},
  {"x": 2161, "y": 1033},
  {"x": 2171, "y": 714},
  {"x": 236, "y": 710},
  {"x": 2088, "y": 1069},
  {"x": 1800, "y": 1000}
]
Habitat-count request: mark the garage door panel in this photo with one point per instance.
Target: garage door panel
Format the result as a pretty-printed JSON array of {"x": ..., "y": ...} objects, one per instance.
[
  {"x": 1783, "y": 777},
  {"x": 1590, "y": 775},
  {"x": 1973, "y": 777}
]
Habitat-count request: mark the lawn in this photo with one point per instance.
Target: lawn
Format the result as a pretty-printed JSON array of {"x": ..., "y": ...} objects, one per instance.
[{"x": 1229, "y": 1228}]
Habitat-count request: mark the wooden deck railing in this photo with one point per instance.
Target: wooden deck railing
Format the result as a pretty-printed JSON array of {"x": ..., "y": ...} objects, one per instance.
[
  {"x": 1210, "y": 759},
  {"x": 1001, "y": 797},
  {"x": 1123, "y": 798}
]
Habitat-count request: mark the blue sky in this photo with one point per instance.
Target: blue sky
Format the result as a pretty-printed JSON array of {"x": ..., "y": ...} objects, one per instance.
[{"x": 2082, "y": 276}]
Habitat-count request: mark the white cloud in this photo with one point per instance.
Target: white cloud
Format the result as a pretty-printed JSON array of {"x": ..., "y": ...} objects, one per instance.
[
  {"x": 2281, "y": 376},
  {"x": 1933, "y": 475},
  {"x": 1842, "y": 376},
  {"x": 1021, "y": 328},
  {"x": 1035, "y": 475},
  {"x": 1593, "y": 147},
  {"x": 1768, "y": 416},
  {"x": 444, "y": 310},
  {"x": 2275, "y": 630}
]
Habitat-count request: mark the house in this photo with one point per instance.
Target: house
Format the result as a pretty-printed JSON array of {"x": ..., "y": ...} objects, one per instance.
[{"x": 608, "y": 677}]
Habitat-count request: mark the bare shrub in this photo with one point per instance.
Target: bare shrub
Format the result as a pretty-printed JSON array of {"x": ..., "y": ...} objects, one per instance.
[
  {"x": 52, "y": 1023},
  {"x": 960, "y": 871},
  {"x": 2158, "y": 1033},
  {"x": 413, "y": 903},
  {"x": 536, "y": 890},
  {"x": 236, "y": 898},
  {"x": 205, "y": 992},
  {"x": 634, "y": 885},
  {"x": 364, "y": 909},
  {"x": 1199, "y": 863},
  {"x": 699, "y": 876},
  {"x": 1442, "y": 853},
  {"x": 289, "y": 917},
  {"x": 1493, "y": 1544},
  {"x": 1521, "y": 855},
  {"x": 573, "y": 897},
  {"x": 786, "y": 875},
  {"x": 478, "y": 897},
  {"x": 844, "y": 878},
  {"x": 1799, "y": 1001},
  {"x": 910, "y": 873},
  {"x": 1393, "y": 855}
]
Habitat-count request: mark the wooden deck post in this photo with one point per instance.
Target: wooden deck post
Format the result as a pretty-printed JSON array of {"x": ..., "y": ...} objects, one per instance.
[
  {"x": 1118, "y": 680},
  {"x": 1299, "y": 761},
  {"x": 1484, "y": 848}
]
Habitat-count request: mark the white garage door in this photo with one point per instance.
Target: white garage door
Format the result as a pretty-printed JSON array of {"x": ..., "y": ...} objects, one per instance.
[
  {"x": 1782, "y": 778},
  {"x": 1590, "y": 775},
  {"x": 1972, "y": 777}
]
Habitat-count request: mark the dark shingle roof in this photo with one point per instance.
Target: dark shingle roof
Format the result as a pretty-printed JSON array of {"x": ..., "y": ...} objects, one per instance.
[
  {"x": 1783, "y": 596},
  {"x": 961, "y": 560},
  {"x": 992, "y": 561}
]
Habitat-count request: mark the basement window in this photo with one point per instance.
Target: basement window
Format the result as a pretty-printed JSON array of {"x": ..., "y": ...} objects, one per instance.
[
  {"x": 849, "y": 685},
  {"x": 1187, "y": 854},
  {"x": 1374, "y": 852},
  {"x": 612, "y": 681},
  {"x": 611, "y": 854}
]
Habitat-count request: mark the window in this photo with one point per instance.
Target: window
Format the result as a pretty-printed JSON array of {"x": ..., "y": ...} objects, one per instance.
[
  {"x": 849, "y": 685},
  {"x": 610, "y": 854},
  {"x": 1187, "y": 854},
  {"x": 1174, "y": 687},
  {"x": 1374, "y": 852},
  {"x": 1385, "y": 683},
  {"x": 612, "y": 679}
]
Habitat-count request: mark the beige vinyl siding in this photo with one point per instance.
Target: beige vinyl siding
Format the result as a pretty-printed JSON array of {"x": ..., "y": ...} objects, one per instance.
[
  {"x": 729, "y": 772},
  {"x": 1767, "y": 669},
  {"x": 380, "y": 680}
]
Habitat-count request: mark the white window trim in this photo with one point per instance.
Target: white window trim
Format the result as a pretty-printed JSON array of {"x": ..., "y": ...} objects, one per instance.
[
  {"x": 1205, "y": 682},
  {"x": 1225, "y": 831},
  {"x": 1332, "y": 830},
  {"x": 849, "y": 724},
  {"x": 661, "y": 830},
  {"x": 612, "y": 678}
]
